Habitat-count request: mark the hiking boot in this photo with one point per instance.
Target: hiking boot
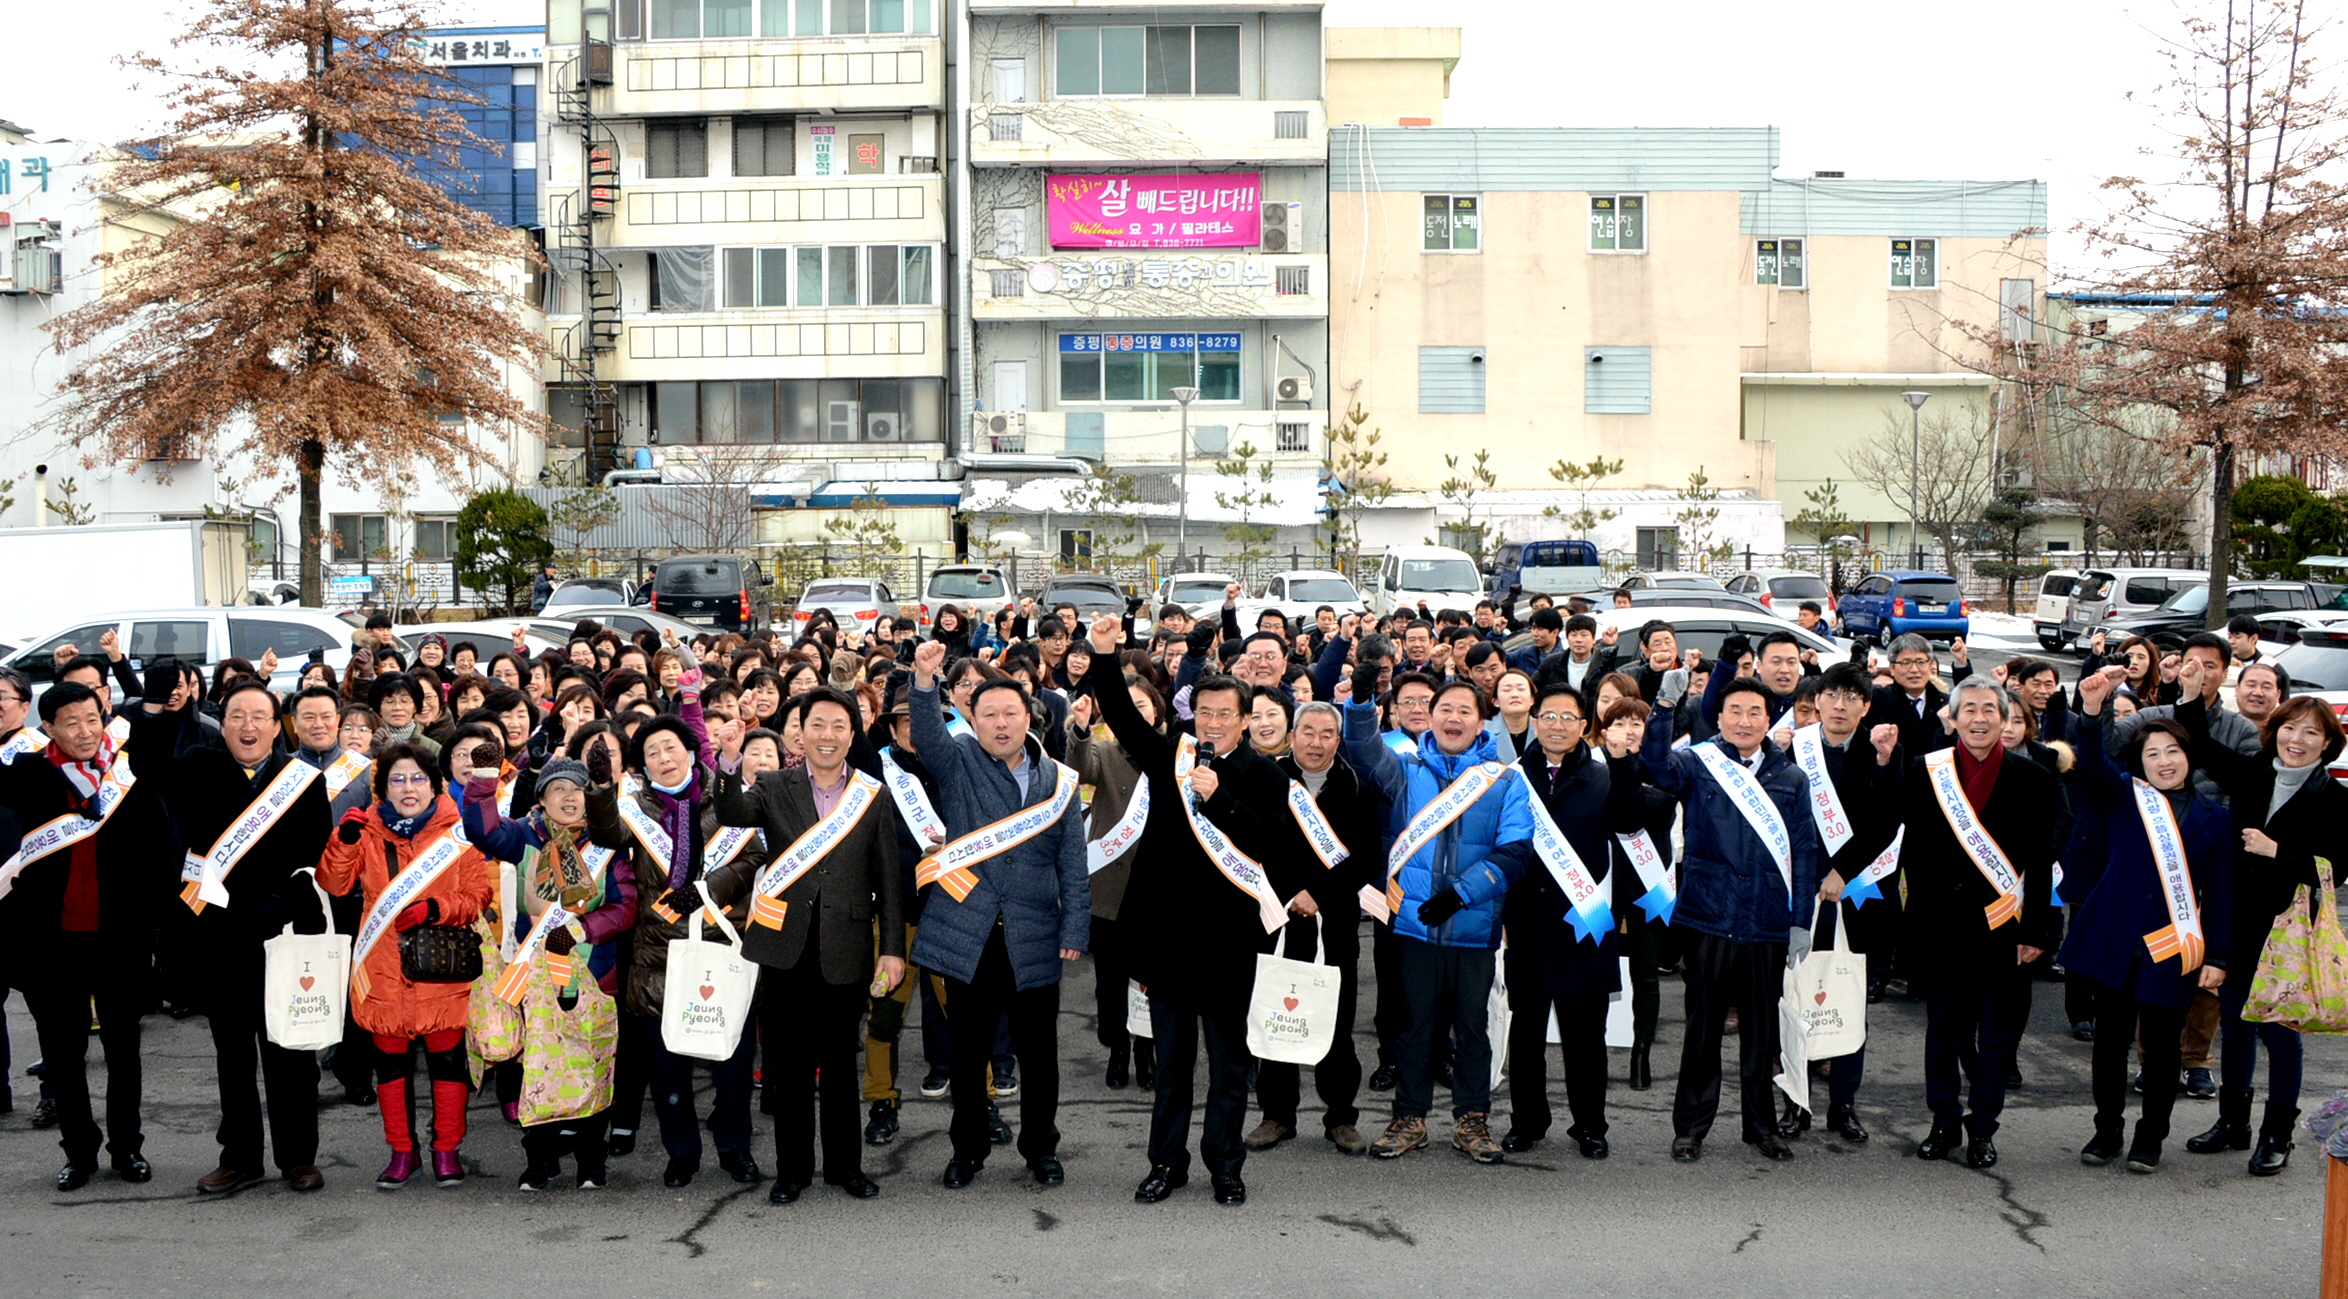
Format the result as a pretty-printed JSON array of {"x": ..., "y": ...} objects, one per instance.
[
  {"x": 1472, "y": 1136},
  {"x": 1401, "y": 1137},
  {"x": 1268, "y": 1134}
]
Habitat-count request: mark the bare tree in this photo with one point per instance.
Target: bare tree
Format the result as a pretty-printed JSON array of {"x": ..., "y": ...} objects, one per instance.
[
  {"x": 2237, "y": 260},
  {"x": 703, "y": 500},
  {"x": 2131, "y": 493},
  {"x": 1936, "y": 472}
]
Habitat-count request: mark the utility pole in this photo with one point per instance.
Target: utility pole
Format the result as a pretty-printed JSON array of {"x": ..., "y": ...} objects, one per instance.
[{"x": 1915, "y": 400}]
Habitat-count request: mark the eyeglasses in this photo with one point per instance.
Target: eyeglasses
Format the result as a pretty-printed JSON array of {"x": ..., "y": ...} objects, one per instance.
[
  {"x": 1841, "y": 697},
  {"x": 1911, "y": 661},
  {"x": 419, "y": 778},
  {"x": 1215, "y": 714},
  {"x": 1554, "y": 716}
]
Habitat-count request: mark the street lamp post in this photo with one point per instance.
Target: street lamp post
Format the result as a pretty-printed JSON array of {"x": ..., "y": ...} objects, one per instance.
[
  {"x": 1183, "y": 397},
  {"x": 1915, "y": 400}
]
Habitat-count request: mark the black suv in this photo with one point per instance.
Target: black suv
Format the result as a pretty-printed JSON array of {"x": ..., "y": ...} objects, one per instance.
[
  {"x": 727, "y": 592},
  {"x": 2187, "y": 611}
]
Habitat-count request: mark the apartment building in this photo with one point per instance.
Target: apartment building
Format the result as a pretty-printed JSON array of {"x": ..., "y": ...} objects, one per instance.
[
  {"x": 746, "y": 219},
  {"x": 1660, "y": 297},
  {"x": 1146, "y": 229}
]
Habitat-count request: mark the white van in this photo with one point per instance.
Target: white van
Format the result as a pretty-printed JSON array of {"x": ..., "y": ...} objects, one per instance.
[
  {"x": 1443, "y": 577},
  {"x": 2054, "y": 601}
]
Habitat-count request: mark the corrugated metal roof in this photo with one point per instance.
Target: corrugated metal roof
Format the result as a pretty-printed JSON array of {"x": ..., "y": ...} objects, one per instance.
[
  {"x": 1950, "y": 209},
  {"x": 1422, "y": 159}
]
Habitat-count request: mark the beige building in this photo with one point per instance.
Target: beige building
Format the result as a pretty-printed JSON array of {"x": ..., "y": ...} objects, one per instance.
[{"x": 1660, "y": 297}]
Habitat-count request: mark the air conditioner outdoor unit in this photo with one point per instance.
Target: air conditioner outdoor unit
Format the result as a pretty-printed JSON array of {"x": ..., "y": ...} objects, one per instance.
[
  {"x": 881, "y": 426},
  {"x": 1005, "y": 431},
  {"x": 1283, "y": 228},
  {"x": 840, "y": 420},
  {"x": 1293, "y": 387}
]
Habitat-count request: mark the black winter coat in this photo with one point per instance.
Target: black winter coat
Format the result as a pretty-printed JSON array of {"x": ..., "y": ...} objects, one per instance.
[
  {"x": 1948, "y": 933},
  {"x": 139, "y": 857},
  {"x": 1592, "y": 800}
]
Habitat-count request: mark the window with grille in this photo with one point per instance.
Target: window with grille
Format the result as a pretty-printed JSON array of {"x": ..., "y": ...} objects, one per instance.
[
  {"x": 1293, "y": 280},
  {"x": 675, "y": 150},
  {"x": 1295, "y": 437},
  {"x": 1003, "y": 127},
  {"x": 762, "y": 146},
  {"x": 1010, "y": 284},
  {"x": 1290, "y": 124}
]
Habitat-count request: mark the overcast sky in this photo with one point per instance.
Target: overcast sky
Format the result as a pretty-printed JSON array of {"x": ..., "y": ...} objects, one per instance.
[{"x": 1989, "y": 90}]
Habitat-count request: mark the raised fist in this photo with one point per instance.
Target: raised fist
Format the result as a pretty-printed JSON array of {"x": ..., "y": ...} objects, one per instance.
[
  {"x": 1231, "y": 593},
  {"x": 353, "y": 824},
  {"x": 599, "y": 764},
  {"x": 929, "y": 658}
]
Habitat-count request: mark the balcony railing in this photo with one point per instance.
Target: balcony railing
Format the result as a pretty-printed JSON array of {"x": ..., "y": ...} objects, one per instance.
[
  {"x": 1068, "y": 132},
  {"x": 1154, "y": 283},
  {"x": 1121, "y": 434}
]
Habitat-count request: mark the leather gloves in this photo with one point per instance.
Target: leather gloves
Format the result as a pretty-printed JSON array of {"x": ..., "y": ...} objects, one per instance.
[{"x": 1441, "y": 907}]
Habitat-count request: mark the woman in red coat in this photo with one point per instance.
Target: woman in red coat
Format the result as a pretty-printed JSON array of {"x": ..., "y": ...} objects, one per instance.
[{"x": 410, "y": 847}]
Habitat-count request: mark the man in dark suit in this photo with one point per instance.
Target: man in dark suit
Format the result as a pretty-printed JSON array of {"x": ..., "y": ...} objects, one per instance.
[
  {"x": 1914, "y": 700},
  {"x": 1969, "y": 937},
  {"x": 208, "y": 790},
  {"x": 1195, "y": 931},
  {"x": 819, "y": 951}
]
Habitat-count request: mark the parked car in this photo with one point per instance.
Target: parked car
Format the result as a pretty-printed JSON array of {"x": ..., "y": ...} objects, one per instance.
[
  {"x": 626, "y": 620},
  {"x": 1701, "y": 627},
  {"x": 728, "y": 592},
  {"x": 592, "y": 591},
  {"x": 266, "y": 590},
  {"x": 1442, "y": 577},
  {"x": 1600, "y": 601},
  {"x": 1673, "y": 579},
  {"x": 1301, "y": 592},
  {"x": 856, "y": 603},
  {"x": 1782, "y": 590},
  {"x": 2282, "y": 629},
  {"x": 2187, "y": 611},
  {"x": 978, "y": 590},
  {"x": 1545, "y": 568},
  {"x": 491, "y": 635},
  {"x": 2107, "y": 594},
  {"x": 1200, "y": 593},
  {"x": 1893, "y": 603},
  {"x": 1093, "y": 594},
  {"x": 2055, "y": 589},
  {"x": 2318, "y": 665},
  {"x": 204, "y": 636}
]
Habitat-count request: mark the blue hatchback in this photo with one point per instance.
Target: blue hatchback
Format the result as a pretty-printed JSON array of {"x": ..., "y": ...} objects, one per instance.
[{"x": 1890, "y": 604}]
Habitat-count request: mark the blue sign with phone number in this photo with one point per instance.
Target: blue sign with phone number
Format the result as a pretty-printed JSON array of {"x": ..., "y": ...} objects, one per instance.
[{"x": 1149, "y": 342}]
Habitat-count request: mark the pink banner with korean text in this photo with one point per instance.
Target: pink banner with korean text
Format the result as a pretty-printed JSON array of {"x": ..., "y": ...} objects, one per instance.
[{"x": 1220, "y": 210}]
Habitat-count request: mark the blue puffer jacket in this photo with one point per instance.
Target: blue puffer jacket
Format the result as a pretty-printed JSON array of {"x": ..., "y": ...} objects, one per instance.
[
  {"x": 1478, "y": 855},
  {"x": 1728, "y": 884}
]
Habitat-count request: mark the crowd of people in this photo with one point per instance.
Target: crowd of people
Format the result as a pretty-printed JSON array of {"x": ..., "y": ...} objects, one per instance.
[{"x": 956, "y": 812}]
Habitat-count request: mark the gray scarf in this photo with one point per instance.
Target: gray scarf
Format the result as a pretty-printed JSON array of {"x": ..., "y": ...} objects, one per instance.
[{"x": 2288, "y": 781}]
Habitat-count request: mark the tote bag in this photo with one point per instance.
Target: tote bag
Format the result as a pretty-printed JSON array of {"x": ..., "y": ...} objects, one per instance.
[
  {"x": 1497, "y": 1014},
  {"x": 1292, "y": 1014},
  {"x": 566, "y": 1054},
  {"x": 2302, "y": 979},
  {"x": 304, "y": 981},
  {"x": 1829, "y": 989},
  {"x": 1137, "y": 1011},
  {"x": 706, "y": 1001}
]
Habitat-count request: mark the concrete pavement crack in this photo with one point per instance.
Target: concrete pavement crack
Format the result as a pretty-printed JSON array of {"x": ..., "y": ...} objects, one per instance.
[
  {"x": 1750, "y": 1237},
  {"x": 1382, "y": 1229},
  {"x": 708, "y": 1216},
  {"x": 2025, "y": 1220}
]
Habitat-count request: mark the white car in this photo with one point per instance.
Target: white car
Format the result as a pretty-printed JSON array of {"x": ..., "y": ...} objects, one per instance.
[
  {"x": 1698, "y": 628},
  {"x": 1200, "y": 593},
  {"x": 1301, "y": 592},
  {"x": 855, "y": 603},
  {"x": 1783, "y": 590},
  {"x": 1438, "y": 575},
  {"x": 203, "y": 636},
  {"x": 490, "y": 636}
]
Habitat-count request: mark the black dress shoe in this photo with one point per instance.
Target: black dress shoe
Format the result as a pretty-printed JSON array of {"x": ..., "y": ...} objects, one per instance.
[
  {"x": 1642, "y": 1071},
  {"x": 1981, "y": 1152},
  {"x": 44, "y": 1112},
  {"x": 2084, "y": 1030},
  {"x": 880, "y": 1125},
  {"x": 785, "y": 1193},
  {"x": 1592, "y": 1147},
  {"x": 1145, "y": 1068},
  {"x": 1940, "y": 1143},
  {"x": 1382, "y": 1078},
  {"x": 959, "y": 1173},
  {"x": 622, "y": 1143},
  {"x": 1230, "y": 1190},
  {"x": 679, "y": 1172},
  {"x": 1047, "y": 1171},
  {"x": 2012, "y": 1078},
  {"x": 73, "y": 1177},
  {"x": 997, "y": 1131},
  {"x": 740, "y": 1166},
  {"x": 1844, "y": 1122},
  {"x": 134, "y": 1168},
  {"x": 361, "y": 1095},
  {"x": 1116, "y": 1078},
  {"x": 1794, "y": 1122},
  {"x": 859, "y": 1187},
  {"x": 1773, "y": 1147},
  {"x": 1686, "y": 1150},
  {"x": 1161, "y": 1182},
  {"x": 1516, "y": 1143}
]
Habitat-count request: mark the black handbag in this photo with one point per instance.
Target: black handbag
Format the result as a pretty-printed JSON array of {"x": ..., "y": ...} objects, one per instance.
[
  {"x": 436, "y": 953},
  {"x": 440, "y": 954}
]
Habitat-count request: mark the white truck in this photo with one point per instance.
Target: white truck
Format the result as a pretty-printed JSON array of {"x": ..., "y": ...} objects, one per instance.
[{"x": 59, "y": 576}]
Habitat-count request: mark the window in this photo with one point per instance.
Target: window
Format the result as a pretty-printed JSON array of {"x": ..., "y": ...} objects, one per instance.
[
  {"x": 757, "y": 277},
  {"x": 358, "y": 536},
  {"x": 1148, "y": 367},
  {"x": 759, "y": 411},
  {"x": 170, "y": 639},
  {"x": 436, "y": 538},
  {"x": 1075, "y": 543},
  {"x": 697, "y": 19},
  {"x": 1292, "y": 280},
  {"x": 840, "y": 276},
  {"x": 1617, "y": 380},
  {"x": 1618, "y": 223},
  {"x": 41, "y": 663},
  {"x": 250, "y": 638},
  {"x": 1291, "y": 124},
  {"x": 1779, "y": 262},
  {"x": 867, "y": 155},
  {"x": 1455, "y": 223},
  {"x": 1294, "y": 437},
  {"x": 1451, "y": 381},
  {"x": 1658, "y": 548},
  {"x": 897, "y": 275},
  {"x": 1915, "y": 263},
  {"x": 762, "y": 146},
  {"x": 675, "y": 150},
  {"x": 1183, "y": 60},
  {"x": 720, "y": 19},
  {"x": 1007, "y": 284}
]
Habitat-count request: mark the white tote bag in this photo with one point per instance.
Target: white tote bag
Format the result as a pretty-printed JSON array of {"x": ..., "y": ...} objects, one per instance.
[
  {"x": 1497, "y": 1014},
  {"x": 1137, "y": 1011},
  {"x": 706, "y": 1001},
  {"x": 304, "y": 981},
  {"x": 1830, "y": 989},
  {"x": 1618, "y": 1011},
  {"x": 1292, "y": 1015}
]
